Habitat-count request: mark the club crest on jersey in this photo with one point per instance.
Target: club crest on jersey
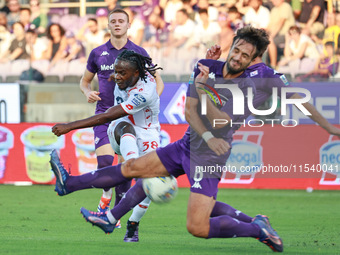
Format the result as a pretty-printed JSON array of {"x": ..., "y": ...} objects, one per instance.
[
  {"x": 104, "y": 53},
  {"x": 253, "y": 73},
  {"x": 284, "y": 80},
  {"x": 138, "y": 99}
]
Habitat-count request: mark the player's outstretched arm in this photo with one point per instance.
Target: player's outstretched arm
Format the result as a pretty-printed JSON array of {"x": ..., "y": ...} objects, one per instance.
[
  {"x": 85, "y": 87},
  {"x": 318, "y": 118},
  {"x": 112, "y": 113}
]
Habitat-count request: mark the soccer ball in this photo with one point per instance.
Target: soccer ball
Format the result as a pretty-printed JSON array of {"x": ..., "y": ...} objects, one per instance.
[{"x": 160, "y": 189}]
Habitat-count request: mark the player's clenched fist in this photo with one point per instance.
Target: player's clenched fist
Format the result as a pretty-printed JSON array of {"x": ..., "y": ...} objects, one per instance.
[
  {"x": 60, "y": 129},
  {"x": 218, "y": 145},
  {"x": 92, "y": 96}
]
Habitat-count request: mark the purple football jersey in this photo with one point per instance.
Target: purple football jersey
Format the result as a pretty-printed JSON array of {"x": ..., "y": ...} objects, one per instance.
[
  {"x": 265, "y": 79},
  {"x": 223, "y": 100},
  {"x": 101, "y": 61}
]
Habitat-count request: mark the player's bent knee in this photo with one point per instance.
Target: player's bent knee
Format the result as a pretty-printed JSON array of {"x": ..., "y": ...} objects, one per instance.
[{"x": 198, "y": 230}]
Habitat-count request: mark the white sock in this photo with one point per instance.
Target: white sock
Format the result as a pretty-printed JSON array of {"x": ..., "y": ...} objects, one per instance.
[
  {"x": 112, "y": 219},
  {"x": 107, "y": 194},
  {"x": 139, "y": 210},
  {"x": 128, "y": 146}
]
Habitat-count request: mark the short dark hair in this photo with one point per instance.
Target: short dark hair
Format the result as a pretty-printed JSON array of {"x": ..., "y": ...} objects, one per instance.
[
  {"x": 329, "y": 43},
  {"x": 93, "y": 19},
  {"x": 26, "y": 9},
  {"x": 257, "y": 37},
  {"x": 142, "y": 63},
  {"x": 202, "y": 11},
  {"x": 119, "y": 11}
]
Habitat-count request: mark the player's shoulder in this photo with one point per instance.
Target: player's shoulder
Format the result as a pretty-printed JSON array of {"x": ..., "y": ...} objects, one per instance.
[
  {"x": 136, "y": 48},
  {"x": 101, "y": 50}
]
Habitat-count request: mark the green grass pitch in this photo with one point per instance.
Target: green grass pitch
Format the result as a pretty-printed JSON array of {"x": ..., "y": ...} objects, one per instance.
[{"x": 34, "y": 220}]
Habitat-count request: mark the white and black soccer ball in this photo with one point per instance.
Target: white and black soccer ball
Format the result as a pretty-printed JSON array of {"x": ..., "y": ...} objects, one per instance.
[{"x": 160, "y": 189}]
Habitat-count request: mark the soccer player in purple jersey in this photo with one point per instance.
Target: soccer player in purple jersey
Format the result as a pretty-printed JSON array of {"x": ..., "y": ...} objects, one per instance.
[
  {"x": 202, "y": 144},
  {"x": 101, "y": 62},
  {"x": 265, "y": 79}
]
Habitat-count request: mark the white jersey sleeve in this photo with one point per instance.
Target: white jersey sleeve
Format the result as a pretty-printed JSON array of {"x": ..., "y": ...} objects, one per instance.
[{"x": 141, "y": 102}]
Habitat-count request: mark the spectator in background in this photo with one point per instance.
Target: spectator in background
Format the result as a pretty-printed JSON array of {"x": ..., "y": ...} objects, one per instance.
[
  {"x": 226, "y": 35},
  {"x": 17, "y": 49},
  {"x": 281, "y": 19},
  {"x": 311, "y": 17},
  {"x": 212, "y": 10},
  {"x": 38, "y": 18},
  {"x": 235, "y": 19},
  {"x": 56, "y": 43},
  {"x": 5, "y": 39},
  {"x": 3, "y": 19},
  {"x": 300, "y": 53},
  {"x": 14, "y": 14},
  {"x": 5, "y": 8},
  {"x": 180, "y": 35},
  {"x": 170, "y": 8},
  {"x": 102, "y": 19},
  {"x": 136, "y": 31},
  {"x": 205, "y": 33},
  {"x": 255, "y": 14},
  {"x": 187, "y": 5},
  {"x": 157, "y": 32},
  {"x": 25, "y": 18},
  {"x": 331, "y": 34},
  {"x": 91, "y": 35},
  {"x": 35, "y": 46},
  {"x": 325, "y": 67},
  {"x": 74, "y": 49},
  {"x": 296, "y": 7},
  {"x": 111, "y": 5}
]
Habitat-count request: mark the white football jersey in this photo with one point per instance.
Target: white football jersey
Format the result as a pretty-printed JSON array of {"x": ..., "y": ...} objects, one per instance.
[{"x": 141, "y": 102}]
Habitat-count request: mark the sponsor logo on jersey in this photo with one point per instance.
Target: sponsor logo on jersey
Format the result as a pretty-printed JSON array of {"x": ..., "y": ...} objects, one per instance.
[
  {"x": 104, "y": 53},
  {"x": 96, "y": 140},
  {"x": 253, "y": 73},
  {"x": 106, "y": 67},
  {"x": 138, "y": 99}
]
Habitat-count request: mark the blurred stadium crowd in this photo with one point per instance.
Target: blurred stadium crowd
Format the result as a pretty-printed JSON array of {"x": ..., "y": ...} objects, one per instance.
[{"x": 176, "y": 33}]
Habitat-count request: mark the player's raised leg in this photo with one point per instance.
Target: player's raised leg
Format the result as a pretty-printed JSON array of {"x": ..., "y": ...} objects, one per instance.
[{"x": 146, "y": 166}]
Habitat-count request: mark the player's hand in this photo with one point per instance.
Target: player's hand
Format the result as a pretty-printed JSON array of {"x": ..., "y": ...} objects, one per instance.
[
  {"x": 214, "y": 52},
  {"x": 202, "y": 77},
  {"x": 60, "y": 129},
  {"x": 92, "y": 96},
  {"x": 218, "y": 145}
]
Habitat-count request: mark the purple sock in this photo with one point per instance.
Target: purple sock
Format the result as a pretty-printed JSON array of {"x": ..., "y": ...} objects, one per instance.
[
  {"x": 133, "y": 197},
  {"x": 104, "y": 161},
  {"x": 226, "y": 227},
  {"x": 121, "y": 190},
  {"x": 225, "y": 209},
  {"x": 106, "y": 177}
]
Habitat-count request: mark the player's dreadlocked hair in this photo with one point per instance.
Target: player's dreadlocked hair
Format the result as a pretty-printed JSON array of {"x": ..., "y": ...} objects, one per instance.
[
  {"x": 257, "y": 37},
  {"x": 143, "y": 64}
]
